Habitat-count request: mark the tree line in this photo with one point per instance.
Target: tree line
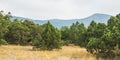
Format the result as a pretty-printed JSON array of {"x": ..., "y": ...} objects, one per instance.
[{"x": 102, "y": 40}]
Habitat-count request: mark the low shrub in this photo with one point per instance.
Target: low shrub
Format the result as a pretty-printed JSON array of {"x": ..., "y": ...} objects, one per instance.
[{"x": 3, "y": 42}]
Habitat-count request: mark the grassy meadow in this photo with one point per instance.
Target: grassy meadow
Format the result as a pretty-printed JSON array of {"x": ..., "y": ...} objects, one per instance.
[{"x": 16, "y": 52}]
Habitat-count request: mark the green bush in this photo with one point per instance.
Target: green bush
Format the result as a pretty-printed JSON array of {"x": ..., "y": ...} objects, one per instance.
[
  {"x": 66, "y": 42},
  {"x": 3, "y": 42},
  {"x": 50, "y": 38}
]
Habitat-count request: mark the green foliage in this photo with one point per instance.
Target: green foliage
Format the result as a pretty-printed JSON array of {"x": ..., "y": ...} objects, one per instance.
[
  {"x": 91, "y": 31},
  {"x": 92, "y": 45},
  {"x": 101, "y": 47},
  {"x": 3, "y": 42},
  {"x": 4, "y": 23},
  {"x": 35, "y": 31},
  {"x": 105, "y": 41},
  {"x": 65, "y": 35},
  {"x": 77, "y": 34},
  {"x": 18, "y": 33},
  {"x": 51, "y": 38},
  {"x": 38, "y": 42}
]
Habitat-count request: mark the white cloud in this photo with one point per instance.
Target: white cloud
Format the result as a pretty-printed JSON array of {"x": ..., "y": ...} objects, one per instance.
[{"x": 63, "y": 9}]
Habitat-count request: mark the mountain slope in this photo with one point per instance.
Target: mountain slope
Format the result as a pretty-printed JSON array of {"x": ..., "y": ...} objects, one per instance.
[{"x": 103, "y": 18}]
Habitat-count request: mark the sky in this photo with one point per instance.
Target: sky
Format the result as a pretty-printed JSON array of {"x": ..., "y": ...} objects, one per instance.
[{"x": 59, "y": 9}]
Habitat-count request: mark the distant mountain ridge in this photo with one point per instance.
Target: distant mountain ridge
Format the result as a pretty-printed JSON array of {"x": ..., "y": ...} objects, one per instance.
[{"x": 98, "y": 17}]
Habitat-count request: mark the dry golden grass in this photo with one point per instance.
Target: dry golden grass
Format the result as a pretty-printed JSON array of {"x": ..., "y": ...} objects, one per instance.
[{"x": 13, "y": 52}]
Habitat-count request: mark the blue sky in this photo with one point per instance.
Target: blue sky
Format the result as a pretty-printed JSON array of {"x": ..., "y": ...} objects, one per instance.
[{"x": 60, "y": 9}]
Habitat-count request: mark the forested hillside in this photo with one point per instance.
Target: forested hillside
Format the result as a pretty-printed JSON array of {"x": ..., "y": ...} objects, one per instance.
[{"x": 100, "y": 39}]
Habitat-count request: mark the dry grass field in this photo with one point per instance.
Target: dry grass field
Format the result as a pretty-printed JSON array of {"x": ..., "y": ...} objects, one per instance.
[{"x": 14, "y": 52}]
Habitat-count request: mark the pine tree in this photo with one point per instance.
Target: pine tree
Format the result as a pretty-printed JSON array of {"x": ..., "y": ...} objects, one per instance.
[{"x": 51, "y": 38}]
